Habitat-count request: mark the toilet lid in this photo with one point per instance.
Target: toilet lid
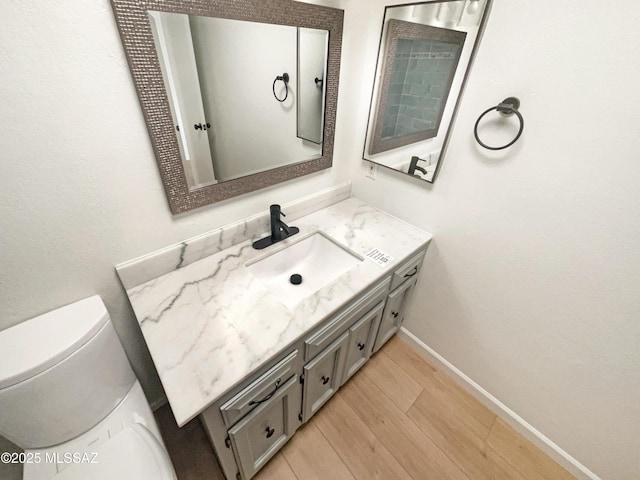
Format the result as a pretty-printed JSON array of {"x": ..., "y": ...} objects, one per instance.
[
  {"x": 32, "y": 347},
  {"x": 134, "y": 454}
]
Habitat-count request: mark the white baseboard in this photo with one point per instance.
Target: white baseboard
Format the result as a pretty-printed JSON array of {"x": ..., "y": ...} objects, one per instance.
[{"x": 572, "y": 465}]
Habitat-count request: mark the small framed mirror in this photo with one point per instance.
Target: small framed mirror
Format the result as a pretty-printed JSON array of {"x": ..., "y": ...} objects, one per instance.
[
  {"x": 238, "y": 95},
  {"x": 426, "y": 51}
]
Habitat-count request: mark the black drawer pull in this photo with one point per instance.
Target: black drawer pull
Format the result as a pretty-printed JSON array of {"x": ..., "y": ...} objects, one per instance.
[
  {"x": 258, "y": 402},
  {"x": 360, "y": 346},
  {"x": 394, "y": 314},
  {"x": 269, "y": 432},
  {"x": 413, "y": 272},
  {"x": 325, "y": 380}
]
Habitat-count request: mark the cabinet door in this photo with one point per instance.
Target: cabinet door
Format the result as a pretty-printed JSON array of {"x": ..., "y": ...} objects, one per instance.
[
  {"x": 393, "y": 313},
  {"x": 323, "y": 376},
  {"x": 257, "y": 437},
  {"x": 361, "y": 338}
]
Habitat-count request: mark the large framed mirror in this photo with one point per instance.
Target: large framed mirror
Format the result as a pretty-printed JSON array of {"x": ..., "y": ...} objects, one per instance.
[
  {"x": 425, "y": 55},
  {"x": 238, "y": 95}
]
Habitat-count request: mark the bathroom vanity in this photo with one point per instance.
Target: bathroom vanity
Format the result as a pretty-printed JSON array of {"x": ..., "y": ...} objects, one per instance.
[
  {"x": 248, "y": 425},
  {"x": 230, "y": 344}
]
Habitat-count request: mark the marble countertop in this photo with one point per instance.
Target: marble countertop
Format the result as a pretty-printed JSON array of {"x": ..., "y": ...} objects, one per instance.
[{"x": 211, "y": 323}]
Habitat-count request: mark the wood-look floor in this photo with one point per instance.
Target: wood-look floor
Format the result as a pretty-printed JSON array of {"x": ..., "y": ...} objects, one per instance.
[{"x": 399, "y": 418}]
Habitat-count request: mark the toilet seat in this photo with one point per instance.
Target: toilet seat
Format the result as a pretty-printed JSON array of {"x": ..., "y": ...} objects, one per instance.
[{"x": 133, "y": 454}]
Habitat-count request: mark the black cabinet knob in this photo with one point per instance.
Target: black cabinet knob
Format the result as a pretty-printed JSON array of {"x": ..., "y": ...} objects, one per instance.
[
  {"x": 325, "y": 380},
  {"x": 270, "y": 432},
  {"x": 394, "y": 314},
  {"x": 360, "y": 346}
]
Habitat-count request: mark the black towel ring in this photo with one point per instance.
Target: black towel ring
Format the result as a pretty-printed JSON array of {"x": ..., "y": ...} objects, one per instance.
[
  {"x": 508, "y": 107},
  {"x": 285, "y": 79}
]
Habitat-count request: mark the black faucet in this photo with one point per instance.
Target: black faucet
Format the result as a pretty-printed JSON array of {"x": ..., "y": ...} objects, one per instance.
[
  {"x": 279, "y": 229},
  {"x": 414, "y": 166}
]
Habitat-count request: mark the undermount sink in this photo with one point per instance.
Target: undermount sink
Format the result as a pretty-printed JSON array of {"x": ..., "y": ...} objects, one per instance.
[{"x": 316, "y": 258}]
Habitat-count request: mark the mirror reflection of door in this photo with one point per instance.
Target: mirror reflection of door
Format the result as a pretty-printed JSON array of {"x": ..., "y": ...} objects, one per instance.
[
  {"x": 219, "y": 76},
  {"x": 172, "y": 36}
]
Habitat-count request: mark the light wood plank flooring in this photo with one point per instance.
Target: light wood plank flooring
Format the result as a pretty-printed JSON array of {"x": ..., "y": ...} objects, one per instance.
[{"x": 399, "y": 418}]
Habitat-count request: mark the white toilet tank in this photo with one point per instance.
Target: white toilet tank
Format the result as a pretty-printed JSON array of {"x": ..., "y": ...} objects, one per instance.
[{"x": 60, "y": 374}]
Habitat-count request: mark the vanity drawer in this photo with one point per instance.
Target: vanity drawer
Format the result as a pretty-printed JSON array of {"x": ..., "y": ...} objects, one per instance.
[
  {"x": 325, "y": 336},
  {"x": 409, "y": 269},
  {"x": 259, "y": 391}
]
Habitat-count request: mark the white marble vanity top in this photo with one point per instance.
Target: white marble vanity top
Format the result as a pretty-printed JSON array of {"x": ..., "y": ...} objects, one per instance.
[{"x": 210, "y": 324}]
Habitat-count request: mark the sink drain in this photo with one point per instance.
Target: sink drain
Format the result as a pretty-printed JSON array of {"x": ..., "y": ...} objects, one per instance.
[{"x": 295, "y": 279}]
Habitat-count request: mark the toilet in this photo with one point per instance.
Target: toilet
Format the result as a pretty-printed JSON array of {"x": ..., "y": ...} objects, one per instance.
[{"x": 70, "y": 399}]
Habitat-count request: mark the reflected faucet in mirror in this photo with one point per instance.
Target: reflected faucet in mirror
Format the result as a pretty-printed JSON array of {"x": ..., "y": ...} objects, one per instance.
[
  {"x": 413, "y": 166},
  {"x": 279, "y": 229}
]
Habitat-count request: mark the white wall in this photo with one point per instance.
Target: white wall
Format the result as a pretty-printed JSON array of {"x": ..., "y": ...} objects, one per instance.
[
  {"x": 531, "y": 284},
  {"x": 247, "y": 122}
]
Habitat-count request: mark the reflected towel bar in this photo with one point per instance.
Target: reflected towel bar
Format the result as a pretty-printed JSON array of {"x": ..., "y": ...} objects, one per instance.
[{"x": 285, "y": 79}]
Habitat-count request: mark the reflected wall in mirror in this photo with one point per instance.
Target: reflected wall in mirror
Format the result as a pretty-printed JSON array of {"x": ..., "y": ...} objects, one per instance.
[
  {"x": 216, "y": 114},
  {"x": 426, "y": 51},
  {"x": 238, "y": 95}
]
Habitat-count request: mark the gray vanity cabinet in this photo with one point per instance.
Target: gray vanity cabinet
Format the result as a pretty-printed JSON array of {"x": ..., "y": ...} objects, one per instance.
[
  {"x": 394, "y": 313},
  {"x": 361, "y": 338},
  {"x": 323, "y": 376},
  {"x": 257, "y": 437},
  {"x": 255, "y": 419}
]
